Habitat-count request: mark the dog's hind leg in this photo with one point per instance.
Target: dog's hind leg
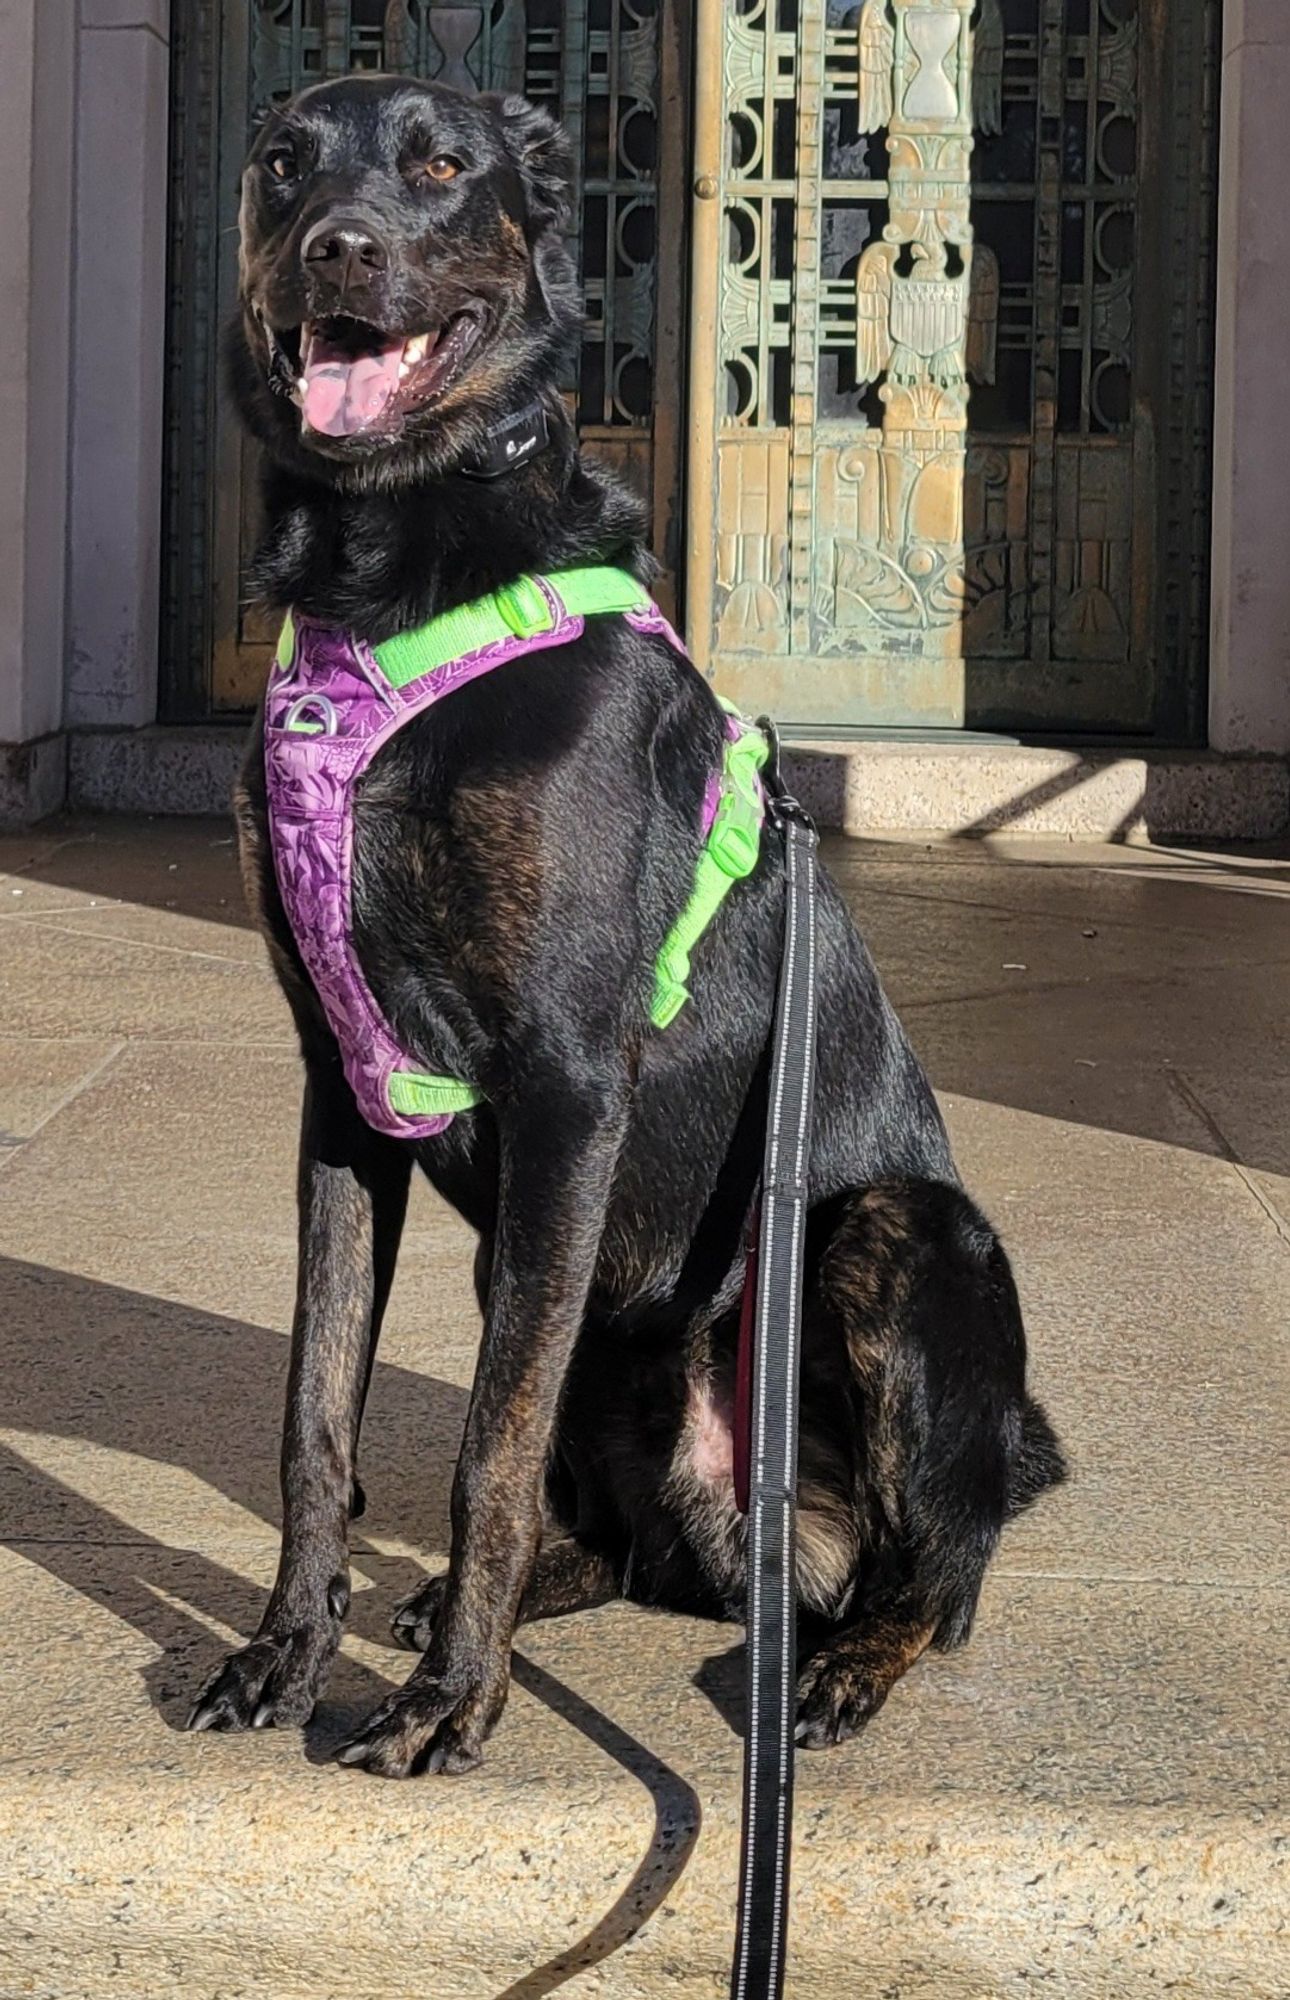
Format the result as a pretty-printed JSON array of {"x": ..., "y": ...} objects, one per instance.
[
  {"x": 353, "y": 1190},
  {"x": 567, "y": 1577},
  {"x": 920, "y": 1292}
]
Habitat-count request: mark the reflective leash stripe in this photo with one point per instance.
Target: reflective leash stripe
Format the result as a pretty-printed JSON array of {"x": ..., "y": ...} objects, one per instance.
[{"x": 758, "y": 1972}]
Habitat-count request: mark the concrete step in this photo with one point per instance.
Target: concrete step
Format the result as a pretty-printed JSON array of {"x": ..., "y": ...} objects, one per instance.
[
  {"x": 1088, "y": 1801},
  {"x": 1029, "y": 1814},
  {"x": 951, "y": 786},
  {"x": 963, "y": 788}
]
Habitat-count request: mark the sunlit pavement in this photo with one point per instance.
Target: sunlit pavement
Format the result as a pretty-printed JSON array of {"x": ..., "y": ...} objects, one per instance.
[{"x": 1090, "y": 1801}]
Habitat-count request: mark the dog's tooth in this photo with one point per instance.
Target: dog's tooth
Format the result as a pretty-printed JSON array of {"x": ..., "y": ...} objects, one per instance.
[{"x": 416, "y": 349}]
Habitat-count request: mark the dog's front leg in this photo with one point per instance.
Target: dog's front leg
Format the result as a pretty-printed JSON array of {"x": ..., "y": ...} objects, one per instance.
[
  {"x": 353, "y": 1191},
  {"x": 557, "y": 1161}
]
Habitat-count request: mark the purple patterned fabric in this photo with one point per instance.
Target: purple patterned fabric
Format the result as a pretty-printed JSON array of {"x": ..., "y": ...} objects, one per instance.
[{"x": 334, "y": 686}]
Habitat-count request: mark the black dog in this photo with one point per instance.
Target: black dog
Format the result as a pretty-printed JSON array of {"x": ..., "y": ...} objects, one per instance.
[{"x": 520, "y": 855}]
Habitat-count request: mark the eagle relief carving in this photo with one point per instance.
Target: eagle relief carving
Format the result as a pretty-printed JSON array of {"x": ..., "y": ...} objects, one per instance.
[{"x": 923, "y": 325}]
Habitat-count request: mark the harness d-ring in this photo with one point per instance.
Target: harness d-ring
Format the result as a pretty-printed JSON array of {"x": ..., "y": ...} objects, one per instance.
[{"x": 299, "y": 709}]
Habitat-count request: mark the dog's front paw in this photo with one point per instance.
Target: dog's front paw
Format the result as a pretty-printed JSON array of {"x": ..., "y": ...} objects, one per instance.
[
  {"x": 836, "y": 1696},
  {"x": 277, "y": 1679},
  {"x": 415, "y": 1618},
  {"x": 438, "y": 1722}
]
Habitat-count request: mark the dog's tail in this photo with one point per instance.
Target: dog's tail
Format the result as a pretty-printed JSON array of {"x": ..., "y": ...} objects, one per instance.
[{"x": 1037, "y": 1463}]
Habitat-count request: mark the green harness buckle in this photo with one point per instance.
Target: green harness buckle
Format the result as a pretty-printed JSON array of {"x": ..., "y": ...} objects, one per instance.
[
  {"x": 525, "y": 608},
  {"x": 518, "y": 610}
]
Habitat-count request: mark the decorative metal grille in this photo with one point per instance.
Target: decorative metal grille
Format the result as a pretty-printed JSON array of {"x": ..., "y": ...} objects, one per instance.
[
  {"x": 941, "y": 457},
  {"x": 950, "y": 318}
]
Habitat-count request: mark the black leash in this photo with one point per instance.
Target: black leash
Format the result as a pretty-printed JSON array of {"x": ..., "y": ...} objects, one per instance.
[{"x": 761, "y": 1937}]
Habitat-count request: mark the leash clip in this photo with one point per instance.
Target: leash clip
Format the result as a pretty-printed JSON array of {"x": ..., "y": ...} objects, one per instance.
[{"x": 781, "y": 805}]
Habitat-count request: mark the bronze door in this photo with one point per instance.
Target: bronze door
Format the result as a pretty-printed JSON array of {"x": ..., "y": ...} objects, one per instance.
[
  {"x": 950, "y": 361},
  {"x": 898, "y": 313}
]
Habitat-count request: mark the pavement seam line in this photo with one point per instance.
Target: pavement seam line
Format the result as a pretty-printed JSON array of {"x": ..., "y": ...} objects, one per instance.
[
  {"x": 1030, "y": 988},
  {"x": 70, "y": 1095},
  {"x": 150, "y": 944},
  {"x": 287, "y": 1046},
  {"x": 58, "y": 910},
  {"x": 40, "y": 861},
  {"x": 1190, "y": 1097}
]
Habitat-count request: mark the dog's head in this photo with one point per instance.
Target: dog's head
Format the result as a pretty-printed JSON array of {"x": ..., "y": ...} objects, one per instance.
[{"x": 403, "y": 277}]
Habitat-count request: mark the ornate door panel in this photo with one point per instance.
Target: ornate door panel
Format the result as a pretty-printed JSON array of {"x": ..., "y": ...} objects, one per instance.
[
  {"x": 610, "y": 69},
  {"x": 952, "y": 290}
]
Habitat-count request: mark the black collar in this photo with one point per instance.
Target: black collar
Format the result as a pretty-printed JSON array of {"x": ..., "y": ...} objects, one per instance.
[{"x": 515, "y": 440}]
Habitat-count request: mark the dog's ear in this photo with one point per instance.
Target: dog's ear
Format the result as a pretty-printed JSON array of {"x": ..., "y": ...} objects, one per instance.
[{"x": 541, "y": 150}]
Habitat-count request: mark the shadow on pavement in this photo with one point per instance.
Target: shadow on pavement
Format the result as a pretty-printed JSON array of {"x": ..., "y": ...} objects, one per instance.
[
  {"x": 1066, "y": 988},
  {"x": 211, "y": 1407}
]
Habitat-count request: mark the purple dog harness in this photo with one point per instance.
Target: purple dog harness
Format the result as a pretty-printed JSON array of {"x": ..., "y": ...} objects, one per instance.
[{"x": 334, "y": 701}]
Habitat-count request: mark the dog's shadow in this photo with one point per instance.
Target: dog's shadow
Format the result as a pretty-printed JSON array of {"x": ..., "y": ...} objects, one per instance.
[
  {"x": 192, "y": 1396},
  {"x": 188, "y": 1393}
]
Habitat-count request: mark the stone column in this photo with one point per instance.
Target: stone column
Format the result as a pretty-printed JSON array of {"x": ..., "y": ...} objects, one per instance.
[
  {"x": 1249, "y": 695},
  {"x": 119, "y": 362},
  {"x": 37, "y": 123}
]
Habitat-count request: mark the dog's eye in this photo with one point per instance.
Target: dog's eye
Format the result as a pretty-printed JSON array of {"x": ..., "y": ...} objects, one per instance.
[
  {"x": 281, "y": 164},
  {"x": 442, "y": 168}
]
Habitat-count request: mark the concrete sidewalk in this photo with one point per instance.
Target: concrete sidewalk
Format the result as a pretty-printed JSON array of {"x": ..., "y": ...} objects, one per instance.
[{"x": 1089, "y": 1802}]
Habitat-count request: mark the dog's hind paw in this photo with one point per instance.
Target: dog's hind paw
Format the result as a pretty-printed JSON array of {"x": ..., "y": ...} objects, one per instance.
[
  {"x": 834, "y": 1702},
  {"x": 851, "y": 1676},
  {"x": 415, "y": 1618}
]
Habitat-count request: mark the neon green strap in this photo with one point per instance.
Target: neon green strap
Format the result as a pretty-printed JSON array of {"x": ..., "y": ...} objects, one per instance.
[
  {"x": 419, "y": 1096},
  {"x": 729, "y": 855},
  {"x": 599, "y": 590},
  {"x": 519, "y": 610}
]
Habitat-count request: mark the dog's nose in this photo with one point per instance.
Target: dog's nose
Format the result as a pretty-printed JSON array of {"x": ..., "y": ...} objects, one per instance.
[{"x": 344, "y": 256}]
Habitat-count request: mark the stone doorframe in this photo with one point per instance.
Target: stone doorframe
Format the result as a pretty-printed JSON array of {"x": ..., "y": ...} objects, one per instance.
[
  {"x": 84, "y": 92},
  {"x": 1249, "y": 673},
  {"x": 83, "y": 147}
]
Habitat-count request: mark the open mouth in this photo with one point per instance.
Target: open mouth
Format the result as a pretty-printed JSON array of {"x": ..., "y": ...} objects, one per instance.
[{"x": 349, "y": 378}]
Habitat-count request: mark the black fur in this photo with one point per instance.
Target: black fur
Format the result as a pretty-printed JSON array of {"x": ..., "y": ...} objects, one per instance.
[{"x": 519, "y": 856}]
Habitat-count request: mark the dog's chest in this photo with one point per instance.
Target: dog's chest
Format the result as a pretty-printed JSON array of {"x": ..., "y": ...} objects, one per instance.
[{"x": 448, "y": 883}]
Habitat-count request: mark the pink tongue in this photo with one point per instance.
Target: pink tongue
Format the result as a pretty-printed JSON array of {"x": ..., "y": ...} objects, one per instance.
[{"x": 343, "y": 393}]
